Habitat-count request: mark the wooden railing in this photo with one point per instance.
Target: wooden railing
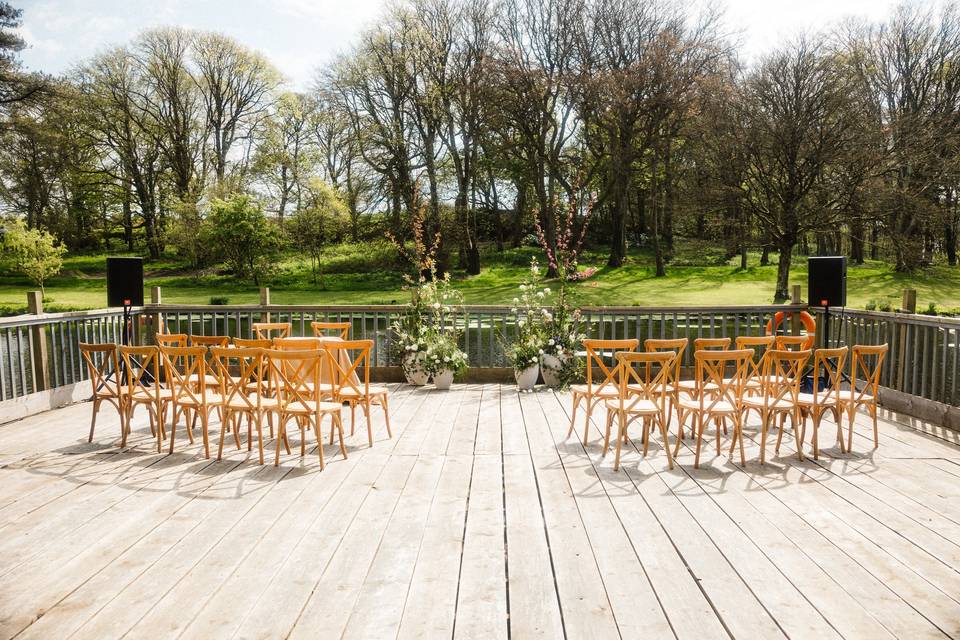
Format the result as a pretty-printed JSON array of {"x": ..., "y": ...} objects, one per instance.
[{"x": 39, "y": 351}]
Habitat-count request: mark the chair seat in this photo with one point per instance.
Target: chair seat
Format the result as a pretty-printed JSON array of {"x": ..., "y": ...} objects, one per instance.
[
  {"x": 241, "y": 405},
  {"x": 690, "y": 386},
  {"x": 847, "y": 395},
  {"x": 608, "y": 391},
  {"x": 756, "y": 402},
  {"x": 309, "y": 407},
  {"x": 209, "y": 380},
  {"x": 638, "y": 406},
  {"x": 750, "y": 383},
  {"x": 721, "y": 406},
  {"x": 823, "y": 399},
  {"x": 212, "y": 400},
  {"x": 149, "y": 395}
]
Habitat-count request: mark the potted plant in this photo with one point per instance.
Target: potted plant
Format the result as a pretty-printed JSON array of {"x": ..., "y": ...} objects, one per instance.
[
  {"x": 558, "y": 362},
  {"x": 524, "y": 356},
  {"x": 409, "y": 344},
  {"x": 443, "y": 359}
]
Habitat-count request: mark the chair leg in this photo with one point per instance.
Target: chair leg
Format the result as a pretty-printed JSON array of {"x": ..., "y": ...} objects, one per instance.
[
  {"x": 794, "y": 423},
  {"x": 223, "y": 433},
  {"x": 621, "y": 420},
  {"x": 93, "y": 420},
  {"x": 783, "y": 418},
  {"x": 851, "y": 418},
  {"x": 738, "y": 437},
  {"x": 606, "y": 437},
  {"x": 281, "y": 437},
  {"x": 316, "y": 431},
  {"x": 876, "y": 433},
  {"x": 700, "y": 421},
  {"x": 204, "y": 424},
  {"x": 336, "y": 419},
  {"x": 386, "y": 415},
  {"x": 666, "y": 441},
  {"x": 586, "y": 422},
  {"x": 764, "y": 425},
  {"x": 259, "y": 437},
  {"x": 125, "y": 430},
  {"x": 366, "y": 411},
  {"x": 816, "y": 433},
  {"x": 838, "y": 418},
  {"x": 353, "y": 416},
  {"x": 573, "y": 414},
  {"x": 173, "y": 436}
]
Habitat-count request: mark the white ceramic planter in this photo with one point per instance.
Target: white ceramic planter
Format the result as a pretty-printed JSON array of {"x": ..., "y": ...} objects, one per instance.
[
  {"x": 416, "y": 375},
  {"x": 443, "y": 380},
  {"x": 527, "y": 378},
  {"x": 550, "y": 366}
]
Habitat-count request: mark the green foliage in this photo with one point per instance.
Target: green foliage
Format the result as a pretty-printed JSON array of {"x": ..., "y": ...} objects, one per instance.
[
  {"x": 219, "y": 300},
  {"x": 34, "y": 252},
  {"x": 240, "y": 234},
  {"x": 325, "y": 220}
]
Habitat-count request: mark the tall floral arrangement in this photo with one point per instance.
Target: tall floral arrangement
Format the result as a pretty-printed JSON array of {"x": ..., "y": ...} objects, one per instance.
[{"x": 529, "y": 315}]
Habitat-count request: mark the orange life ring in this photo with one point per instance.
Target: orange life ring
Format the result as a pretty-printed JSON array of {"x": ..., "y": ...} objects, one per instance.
[{"x": 809, "y": 324}]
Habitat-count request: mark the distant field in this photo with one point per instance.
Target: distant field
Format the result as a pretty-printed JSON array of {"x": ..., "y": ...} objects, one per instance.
[{"x": 357, "y": 275}]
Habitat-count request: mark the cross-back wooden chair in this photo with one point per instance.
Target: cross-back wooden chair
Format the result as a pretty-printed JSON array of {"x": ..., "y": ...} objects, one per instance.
[
  {"x": 348, "y": 364},
  {"x": 241, "y": 375},
  {"x": 209, "y": 341},
  {"x": 779, "y": 396},
  {"x": 297, "y": 376},
  {"x": 142, "y": 372},
  {"x": 717, "y": 396},
  {"x": 253, "y": 343},
  {"x": 642, "y": 393},
  {"x": 827, "y": 365},
  {"x": 171, "y": 339},
  {"x": 690, "y": 387},
  {"x": 324, "y": 328},
  {"x": 761, "y": 346},
  {"x": 789, "y": 343},
  {"x": 184, "y": 366},
  {"x": 103, "y": 368},
  {"x": 602, "y": 383},
  {"x": 270, "y": 330},
  {"x": 678, "y": 346},
  {"x": 866, "y": 364}
]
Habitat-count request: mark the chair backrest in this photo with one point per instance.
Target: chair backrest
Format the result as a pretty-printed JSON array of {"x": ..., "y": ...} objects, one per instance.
[
  {"x": 209, "y": 341},
  {"x": 240, "y": 372},
  {"x": 296, "y": 374},
  {"x": 255, "y": 343},
  {"x": 866, "y": 364},
  {"x": 701, "y": 344},
  {"x": 711, "y": 368},
  {"x": 296, "y": 344},
  {"x": 790, "y": 343},
  {"x": 781, "y": 378},
  {"x": 142, "y": 370},
  {"x": 678, "y": 345},
  {"x": 645, "y": 376},
  {"x": 761, "y": 346},
  {"x": 103, "y": 367},
  {"x": 348, "y": 362},
  {"x": 266, "y": 330},
  {"x": 323, "y": 328},
  {"x": 596, "y": 352},
  {"x": 171, "y": 339},
  {"x": 828, "y": 363},
  {"x": 186, "y": 370}
]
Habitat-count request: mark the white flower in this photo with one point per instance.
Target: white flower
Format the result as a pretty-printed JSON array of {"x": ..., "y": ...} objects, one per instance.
[
  {"x": 414, "y": 347},
  {"x": 516, "y": 301},
  {"x": 552, "y": 342},
  {"x": 446, "y": 359},
  {"x": 522, "y": 323},
  {"x": 541, "y": 351},
  {"x": 559, "y": 351},
  {"x": 546, "y": 290},
  {"x": 436, "y": 305},
  {"x": 540, "y": 294}
]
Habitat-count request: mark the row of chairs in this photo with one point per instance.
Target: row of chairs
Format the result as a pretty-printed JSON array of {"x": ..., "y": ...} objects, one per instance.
[
  {"x": 761, "y": 374},
  {"x": 193, "y": 377}
]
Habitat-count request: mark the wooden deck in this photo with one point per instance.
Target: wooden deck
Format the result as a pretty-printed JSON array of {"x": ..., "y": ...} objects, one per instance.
[{"x": 477, "y": 520}]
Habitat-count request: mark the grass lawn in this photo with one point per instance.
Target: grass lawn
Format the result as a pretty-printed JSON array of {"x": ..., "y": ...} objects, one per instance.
[{"x": 364, "y": 274}]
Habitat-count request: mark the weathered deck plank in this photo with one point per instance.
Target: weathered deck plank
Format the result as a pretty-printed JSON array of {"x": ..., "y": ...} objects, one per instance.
[{"x": 478, "y": 519}]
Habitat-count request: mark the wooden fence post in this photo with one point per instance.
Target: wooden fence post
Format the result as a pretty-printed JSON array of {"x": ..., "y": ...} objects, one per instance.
[
  {"x": 908, "y": 305},
  {"x": 265, "y": 302},
  {"x": 795, "y": 298},
  {"x": 156, "y": 318},
  {"x": 38, "y": 339}
]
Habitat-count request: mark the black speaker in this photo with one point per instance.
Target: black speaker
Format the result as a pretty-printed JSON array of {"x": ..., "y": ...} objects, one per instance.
[
  {"x": 124, "y": 282},
  {"x": 827, "y": 281}
]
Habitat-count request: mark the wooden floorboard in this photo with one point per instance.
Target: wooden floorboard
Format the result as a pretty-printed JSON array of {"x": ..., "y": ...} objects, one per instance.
[{"x": 479, "y": 518}]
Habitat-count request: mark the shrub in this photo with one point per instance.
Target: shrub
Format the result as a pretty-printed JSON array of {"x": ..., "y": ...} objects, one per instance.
[
  {"x": 219, "y": 300},
  {"x": 242, "y": 236},
  {"x": 35, "y": 252}
]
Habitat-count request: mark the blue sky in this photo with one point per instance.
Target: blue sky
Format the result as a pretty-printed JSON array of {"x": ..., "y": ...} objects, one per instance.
[{"x": 300, "y": 35}]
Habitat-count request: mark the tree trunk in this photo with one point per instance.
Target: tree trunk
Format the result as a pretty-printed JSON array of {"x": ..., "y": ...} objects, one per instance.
[{"x": 782, "y": 293}]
